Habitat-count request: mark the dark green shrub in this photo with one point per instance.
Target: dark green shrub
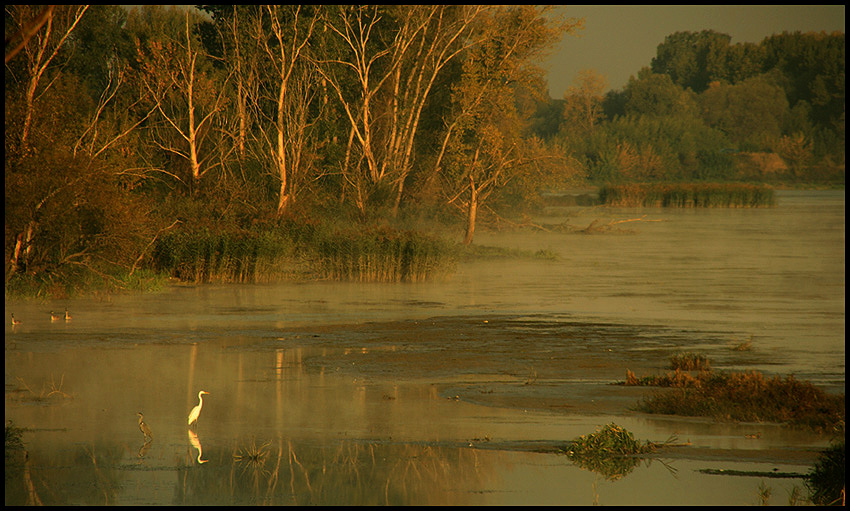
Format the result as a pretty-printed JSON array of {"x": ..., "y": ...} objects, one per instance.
[{"x": 827, "y": 481}]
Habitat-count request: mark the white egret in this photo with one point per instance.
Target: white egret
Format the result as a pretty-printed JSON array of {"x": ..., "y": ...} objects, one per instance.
[
  {"x": 196, "y": 411},
  {"x": 144, "y": 427}
]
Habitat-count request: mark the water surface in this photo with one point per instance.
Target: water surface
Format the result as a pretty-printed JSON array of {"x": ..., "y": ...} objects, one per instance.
[{"x": 453, "y": 392}]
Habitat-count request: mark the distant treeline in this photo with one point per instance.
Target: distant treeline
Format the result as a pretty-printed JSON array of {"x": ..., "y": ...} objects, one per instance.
[
  {"x": 142, "y": 139},
  {"x": 705, "y": 109}
]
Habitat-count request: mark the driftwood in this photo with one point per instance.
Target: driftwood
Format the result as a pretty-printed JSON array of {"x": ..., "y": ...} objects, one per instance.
[{"x": 596, "y": 227}]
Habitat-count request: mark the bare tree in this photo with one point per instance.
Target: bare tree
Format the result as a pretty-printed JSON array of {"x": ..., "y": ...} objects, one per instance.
[
  {"x": 444, "y": 36},
  {"x": 42, "y": 36},
  {"x": 172, "y": 66},
  {"x": 394, "y": 56},
  {"x": 291, "y": 34},
  {"x": 42, "y": 46},
  {"x": 355, "y": 29}
]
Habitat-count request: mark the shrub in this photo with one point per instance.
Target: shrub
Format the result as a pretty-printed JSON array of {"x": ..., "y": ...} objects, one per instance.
[
  {"x": 747, "y": 396},
  {"x": 826, "y": 481},
  {"x": 610, "y": 451}
]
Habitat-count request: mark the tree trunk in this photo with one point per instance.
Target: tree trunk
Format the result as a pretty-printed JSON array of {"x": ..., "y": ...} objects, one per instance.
[
  {"x": 243, "y": 128},
  {"x": 192, "y": 138},
  {"x": 283, "y": 197},
  {"x": 471, "y": 212}
]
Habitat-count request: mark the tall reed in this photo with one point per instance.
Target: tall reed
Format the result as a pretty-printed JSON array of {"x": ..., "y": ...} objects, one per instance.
[
  {"x": 382, "y": 255},
  {"x": 222, "y": 257},
  {"x": 366, "y": 255},
  {"x": 687, "y": 195}
]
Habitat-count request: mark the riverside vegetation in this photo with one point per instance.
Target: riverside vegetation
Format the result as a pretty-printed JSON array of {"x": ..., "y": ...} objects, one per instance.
[
  {"x": 245, "y": 143},
  {"x": 613, "y": 452},
  {"x": 739, "y": 396},
  {"x": 685, "y": 195}
]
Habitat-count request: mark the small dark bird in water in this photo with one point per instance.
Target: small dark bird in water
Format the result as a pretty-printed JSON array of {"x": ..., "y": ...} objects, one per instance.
[
  {"x": 144, "y": 427},
  {"x": 67, "y": 315},
  {"x": 15, "y": 322},
  {"x": 55, "y": 317}
]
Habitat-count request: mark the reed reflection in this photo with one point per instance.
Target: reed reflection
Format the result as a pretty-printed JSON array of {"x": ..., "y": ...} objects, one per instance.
[{"x": 348, "y": 473}]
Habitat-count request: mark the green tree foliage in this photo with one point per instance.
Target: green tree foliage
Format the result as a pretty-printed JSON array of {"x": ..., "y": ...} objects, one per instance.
[
  {"x": 125, "y": 126},
  {"x": 692, "y": 59},
  {"x": 751, "y": 112},
  {"x": 812, "y": 65},
  {"x": 657, "y": 95},
  {"x": 485, "y": 143},
  {"x": 783, "y": 95},
  {"x": 583, "y": 102}
]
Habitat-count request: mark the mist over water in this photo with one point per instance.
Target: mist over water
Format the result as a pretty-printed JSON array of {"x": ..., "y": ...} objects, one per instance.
[{"x": 410, "y": 393}]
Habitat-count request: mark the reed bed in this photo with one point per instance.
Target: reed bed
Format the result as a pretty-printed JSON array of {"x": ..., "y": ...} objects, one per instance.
[
  {"x": 383, "y": 255},
  {"x": 223, "y": 257},
  {"x": 371, "y": 255},
  {"x": 687, "y": 195}
]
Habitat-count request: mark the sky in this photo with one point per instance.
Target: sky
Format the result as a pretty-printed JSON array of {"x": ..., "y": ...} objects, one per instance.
[{"x": 618, "y": 40}]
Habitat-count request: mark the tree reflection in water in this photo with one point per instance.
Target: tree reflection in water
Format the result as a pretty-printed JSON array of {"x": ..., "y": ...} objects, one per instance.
[{"x": 349, "y": 473}]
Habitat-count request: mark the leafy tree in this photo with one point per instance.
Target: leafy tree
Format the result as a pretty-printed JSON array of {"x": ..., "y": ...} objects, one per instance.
[
  {"x": 583, "y": 102},
  {"x": 67, "y": 212},
  {"x": 484, "y": 143},
  {"x": 742, "y": 61},
  {"x": 751, "y": 113},
  {"x": 692, "y": 59},
  {"x": 656, "y": 94},
  {"x": 98, "y": 47},
  {"x": 813, "y": 64}
]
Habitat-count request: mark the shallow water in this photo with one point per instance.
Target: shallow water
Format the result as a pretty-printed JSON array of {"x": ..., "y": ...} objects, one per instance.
[{"x": 439, "y": 393}]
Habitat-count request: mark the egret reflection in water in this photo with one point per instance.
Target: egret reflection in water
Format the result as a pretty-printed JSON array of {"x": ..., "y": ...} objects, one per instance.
[
  {"x": 196, "y": 443},
  {"x": 143, "y": 450},
  {"x": 143, "y": 427}
]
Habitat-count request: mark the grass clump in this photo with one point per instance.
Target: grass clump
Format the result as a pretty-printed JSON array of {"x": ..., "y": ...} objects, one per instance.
[
  {"x": 611, "y": 451},
  {"x": 826, "y": 481},
  {"x": 687, "y": 195},
  {"x": 689, "y": 362},
  {"x": 676, "y": 378},
  {"x": 14, "y": 439}
]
